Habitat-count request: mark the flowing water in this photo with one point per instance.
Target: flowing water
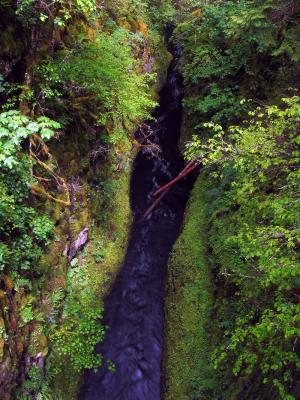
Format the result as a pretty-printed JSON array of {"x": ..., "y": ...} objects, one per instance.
[{"x": 134, "y": 309}]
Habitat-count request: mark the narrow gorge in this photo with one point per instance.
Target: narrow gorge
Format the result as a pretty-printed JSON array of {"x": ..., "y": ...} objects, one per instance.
[
  {"x": 149, "y": 200},
  {"x": 134, "y": 309}
]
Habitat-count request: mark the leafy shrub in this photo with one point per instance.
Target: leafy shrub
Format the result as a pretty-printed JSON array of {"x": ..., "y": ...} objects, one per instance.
[
  {"x": 254, "y": 236},
  {"x": 58, "y": 12},
  {"x": 242, "y": 45},
  {"x": 80, "y": 330},
  {"x": 23, "y": 232},
  {"x": 105, "y": 71},
  {"x": 3, "y": 84}
]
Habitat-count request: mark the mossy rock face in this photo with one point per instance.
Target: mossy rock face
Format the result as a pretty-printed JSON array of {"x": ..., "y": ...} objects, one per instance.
[
  {"x": 188, "y": 310},
  {"x": 125, "y": 24},
  {"x": 107, "y": 215},
  {"x": 107, "y": 244},
  {"x": 11, "y": 46},
  {"x": 7, "y": 377},
  {"x": 106, "y": 212},
  {"x": 162, "y": 60},
  {"x": 186, "y": 130},
  {"x": 38, "y": 345},
  {"x": 56, "y": 212},
  {"x": 76, "y": 28}
]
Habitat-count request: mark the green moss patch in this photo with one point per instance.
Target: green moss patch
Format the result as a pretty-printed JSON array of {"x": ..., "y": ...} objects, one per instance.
[{"x": 188, "y": 373}]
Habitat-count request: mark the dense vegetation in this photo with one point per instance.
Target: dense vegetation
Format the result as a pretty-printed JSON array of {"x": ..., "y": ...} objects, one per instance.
[
  {"x": 254, "y": 236},
  {"x": 240, "y": 64},
  {"x": 76, "y": 79}
]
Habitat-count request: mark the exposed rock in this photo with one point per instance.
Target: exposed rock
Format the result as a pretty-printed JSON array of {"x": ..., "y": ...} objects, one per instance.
[{"x": 79, "y": 243}]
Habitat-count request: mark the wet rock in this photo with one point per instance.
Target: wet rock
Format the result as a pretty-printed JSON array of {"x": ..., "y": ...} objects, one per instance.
[
  {"x": 7, "y": 377},
  {"x": 78, "y": 244}
]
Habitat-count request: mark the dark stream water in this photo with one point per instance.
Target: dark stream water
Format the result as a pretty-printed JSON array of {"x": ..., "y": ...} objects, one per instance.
[{"x": 134, "y": 309}]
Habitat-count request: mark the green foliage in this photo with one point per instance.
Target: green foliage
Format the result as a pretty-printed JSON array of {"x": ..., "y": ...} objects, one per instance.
[
  {"x": 80, "y": 330},
  {"x": 99, "y": 255},
  {"x": 23, "y": 232},
  {"x": 234, "y": 50},
  {"x": 254, "y": 236},
  {"x": 42, "y": 228},
  {"x": 3, "y": 84},
  {"x": 36, "y": 386},
  {"x": 57, "y": 298},
  {"x": 14, "y": 129},
  {"x": 127, "y": 8},
  {"x": 57, "y": 12},
  {"x": 222, "y": 103},
  {"x": 110, "y": 366},
  {"x": 34, "y": 381},
  {"x": 26, "y": 313},
  {"x": 162, "y": 12},
  {"x": 86, "y": 6},
  {"x": 26, "y": 12},
  {"x": 105, "y": 71},
  {"x": 96, "y": 83}
]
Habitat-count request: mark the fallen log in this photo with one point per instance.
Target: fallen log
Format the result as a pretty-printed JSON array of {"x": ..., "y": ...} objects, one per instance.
[
  {"x": 154, "y": 204},
  {"x": 191, "y": 166},
  {"x": 163, "y": 190}
]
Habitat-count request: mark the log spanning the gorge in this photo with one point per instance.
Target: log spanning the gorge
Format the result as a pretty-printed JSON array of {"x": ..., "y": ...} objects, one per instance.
[{"x": 163, "y": 190}]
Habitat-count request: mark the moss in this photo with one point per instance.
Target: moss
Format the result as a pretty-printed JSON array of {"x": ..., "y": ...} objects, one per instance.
[
  {"x": 10, "y": 44},
  {"x": 104, "y": 206},
  {"x": 112, "y": 237},
  {"x": 189, "y": 302},
  {"x": 162, "y": 60},
  {"x": 108, "y": 216}
]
